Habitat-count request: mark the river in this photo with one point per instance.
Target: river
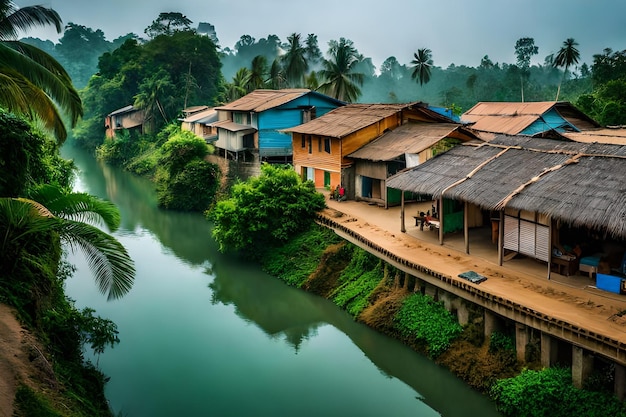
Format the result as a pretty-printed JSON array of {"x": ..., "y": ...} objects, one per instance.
[{"x": 205, "y": 334}]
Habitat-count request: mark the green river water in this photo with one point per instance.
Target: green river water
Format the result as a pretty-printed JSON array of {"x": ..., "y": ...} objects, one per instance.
[{"x": 205, "y": 334}]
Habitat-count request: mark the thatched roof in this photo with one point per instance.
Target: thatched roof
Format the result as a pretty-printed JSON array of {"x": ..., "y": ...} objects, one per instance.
[
  {"x": 409, "y": 138},
  {"x": 578, "y": 183}
]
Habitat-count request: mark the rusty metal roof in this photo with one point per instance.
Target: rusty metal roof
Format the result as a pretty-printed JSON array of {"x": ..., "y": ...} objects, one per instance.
[
  {"x": 261, "y": 100},
  {"x": 342, "y": 121},
  {"x": 505, "y": 117},
  {"x": 511, "y": 118},
  {"x": 409, "y": 138},
  {"x": 608, "y": 136}
]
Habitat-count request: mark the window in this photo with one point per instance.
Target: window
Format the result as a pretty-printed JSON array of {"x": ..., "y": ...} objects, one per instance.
[
  {"x": 303, "y": 141},
  {"x": 327, "y": 145},
  {"x": 319, "y": 144},
  {"x": 310, "y": 144}
]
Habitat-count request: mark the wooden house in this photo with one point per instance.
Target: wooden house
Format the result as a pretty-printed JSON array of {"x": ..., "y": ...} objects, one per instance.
[
  {"x": 252, "y": 126},
  {"x": 536, "y": 191},
  {"x": 548, "y": 119},
  {"x": 321, "y": 147},
  {"x": 126, "y": 118},
  {"x": 200, "y": 121},
  {"x": 406, "y": 146}
]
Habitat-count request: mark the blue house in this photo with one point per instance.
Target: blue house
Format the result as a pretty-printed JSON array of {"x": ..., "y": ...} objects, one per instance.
[
  {"x": 548, "y": 119},
  {"x": 250, "y": 128}
]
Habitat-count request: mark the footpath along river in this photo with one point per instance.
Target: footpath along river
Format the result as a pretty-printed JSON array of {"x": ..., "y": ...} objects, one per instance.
[{"x": 205, "y": 334}]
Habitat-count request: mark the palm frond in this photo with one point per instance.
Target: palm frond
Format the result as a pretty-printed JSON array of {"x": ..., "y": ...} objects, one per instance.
[
  {"x": 112, "y": 266},
  {"x": 31, "y": 101},
  {"x": 43, "y": 71},
  {"x": 19, "y": 219},
  {"x": 80, "y": 207},
  {"x": 22, "y": 19}
]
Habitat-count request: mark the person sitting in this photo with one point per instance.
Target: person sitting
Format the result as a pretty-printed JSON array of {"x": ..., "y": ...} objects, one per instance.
[{"x": 342, "y": 194}]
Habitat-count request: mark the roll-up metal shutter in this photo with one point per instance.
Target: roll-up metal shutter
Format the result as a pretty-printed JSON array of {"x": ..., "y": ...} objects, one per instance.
[
  {"x": 528, "y": 238},
  {"x": 511, "y": 233}
]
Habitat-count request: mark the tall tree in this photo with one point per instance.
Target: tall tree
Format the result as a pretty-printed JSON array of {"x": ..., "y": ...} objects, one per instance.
[
  {"x": 422, "y": 65},
  {"x": 294, "y": 61},
  {"x": 258, "y": 73},
  {"x": 32, "y": 82},
  {"x": 276, "y": 79},
  {"x": 168, "y": 23},
  {"x": 567, "y": 55},
  {"x": 524, "y": 50},
  {"x": 340, "y": 80},
  {"x": 313, "y": 54}
]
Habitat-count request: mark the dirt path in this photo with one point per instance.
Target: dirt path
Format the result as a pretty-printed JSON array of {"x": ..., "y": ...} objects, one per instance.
[{"x": 14, "y": 363}]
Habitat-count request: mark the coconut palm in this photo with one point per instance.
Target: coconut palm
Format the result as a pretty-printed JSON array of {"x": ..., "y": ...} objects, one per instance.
[
  {"x": 276, "y": 79},
  {"x": 340, "y": 80},
  {"x": 422, "y": 65},
  {"x": 258, "y": 73},
  {"x": 49, "y": 209},
  {"x": 294, "y": 62},
  {"x": 33, "y": 83},
  {"x": 567, "y": 55}
]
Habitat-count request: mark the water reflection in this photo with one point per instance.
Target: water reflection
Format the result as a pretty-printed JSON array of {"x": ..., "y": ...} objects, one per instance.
[{"x": 191, "y": 310}]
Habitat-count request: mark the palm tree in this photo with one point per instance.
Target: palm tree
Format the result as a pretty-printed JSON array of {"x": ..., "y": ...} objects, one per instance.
[
  {"x": 422, "y": 65},
  {"x": 49, "y": 209},
  {"x": 294, "y": 62},
  {"x": 33, "y": 83},
  {"x": 340, "y": 79},
  {"x": 567, "y": 55},
  {"x": 258, "y": 73},
  {"x": 276, "y": 79}
]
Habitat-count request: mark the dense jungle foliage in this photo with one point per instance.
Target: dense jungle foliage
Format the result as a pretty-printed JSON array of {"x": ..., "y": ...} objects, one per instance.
[{"x": 33, "y": 271}]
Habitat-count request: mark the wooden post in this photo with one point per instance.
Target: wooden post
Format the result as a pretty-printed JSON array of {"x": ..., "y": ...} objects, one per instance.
[
  {"x": 441, "y": 220},
  {"x": 402, "y": 227},
  {"x": 466, "y": 226},
  {"x": 501, "y": 239}
]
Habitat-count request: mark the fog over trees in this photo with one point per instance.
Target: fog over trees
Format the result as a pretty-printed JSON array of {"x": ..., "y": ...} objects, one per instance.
[{"x": 340, "y": 70}]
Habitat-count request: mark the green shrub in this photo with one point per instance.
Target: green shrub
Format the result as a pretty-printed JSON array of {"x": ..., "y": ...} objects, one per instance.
[
  {"x": 265, "y": 211},
  {"x": 550, "y": 393},
  {"x": 358, "y": 281},
  {"x": 191, "y": 189},
  {"x": 500, "y": 342},
  {"x": 425, "y": 320},
  {"x": 299, "y": 257}
]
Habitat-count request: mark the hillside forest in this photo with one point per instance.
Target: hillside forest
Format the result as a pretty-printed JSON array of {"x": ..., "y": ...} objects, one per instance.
[{"x": 174, "y": 64}]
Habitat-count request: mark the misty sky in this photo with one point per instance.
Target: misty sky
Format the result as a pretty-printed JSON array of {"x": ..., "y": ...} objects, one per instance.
[{"x": 456, "y": 31}]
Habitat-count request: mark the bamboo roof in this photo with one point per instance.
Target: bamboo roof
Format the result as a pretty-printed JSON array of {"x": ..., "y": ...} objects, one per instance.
[
  {"x": 409, "y": 138},
  {"x": 579, "y": 183}
]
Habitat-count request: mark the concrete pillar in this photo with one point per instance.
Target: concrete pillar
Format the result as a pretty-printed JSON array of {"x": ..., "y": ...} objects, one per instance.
[
  {"x": 446, "y": 299},
  {"x": 549, "y": 351},
  {"x": 431, "y": 291},
  {"x": 521, "y": 340},
  {"x": 462, "y": 314},
  {"x": 582, "y": 365},
  {"x": 620, "y": 381},
  {"x": 490, "y": 323}
]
